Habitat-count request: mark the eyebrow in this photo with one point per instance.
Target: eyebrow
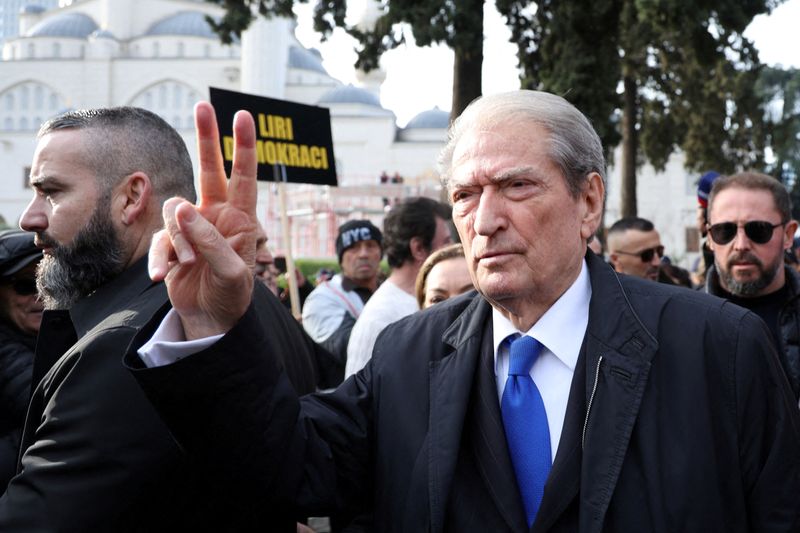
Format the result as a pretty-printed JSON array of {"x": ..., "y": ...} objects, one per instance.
[
  {"x": 512, "y": 173},
  {"x": 43, "y": 181},
  {"x": 500, "y": 177}
]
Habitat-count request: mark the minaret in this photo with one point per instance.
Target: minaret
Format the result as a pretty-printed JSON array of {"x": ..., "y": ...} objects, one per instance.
[
  {"x": 265, "y": 56},
  {"x": 373, "y": 79},
  {"x": 116, "y": 16}
]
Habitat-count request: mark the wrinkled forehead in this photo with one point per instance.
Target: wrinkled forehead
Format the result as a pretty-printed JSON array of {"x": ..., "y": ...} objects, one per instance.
[{"x": 498, "y": 147}]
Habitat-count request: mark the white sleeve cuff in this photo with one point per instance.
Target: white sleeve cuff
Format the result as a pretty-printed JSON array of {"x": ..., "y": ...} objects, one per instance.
[{"x": 169, "y": 345}]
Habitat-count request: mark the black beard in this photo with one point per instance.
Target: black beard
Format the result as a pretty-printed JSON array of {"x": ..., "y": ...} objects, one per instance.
[
  {"x": 73, "y": 271},
  {"x": 749, "y": 288}
]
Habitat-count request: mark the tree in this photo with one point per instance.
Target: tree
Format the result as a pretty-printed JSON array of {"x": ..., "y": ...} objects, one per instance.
[
  {"x": 659, "y": 75},
  {"x": 456, "y": 23},
  {"x": 780, "y": 89}
]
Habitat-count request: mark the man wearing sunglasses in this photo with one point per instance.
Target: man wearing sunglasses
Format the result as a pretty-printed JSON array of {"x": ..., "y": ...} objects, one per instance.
[
  {"x": 20, "y": 318},
  {"x": 750, "y": 227},
  {"x": 634, "y": 248}
]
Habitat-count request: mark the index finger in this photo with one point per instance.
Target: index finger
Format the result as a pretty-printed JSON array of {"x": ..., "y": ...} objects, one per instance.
[
  {"x": 242, "y": 189},
  {"x": 213, "y": 182}
]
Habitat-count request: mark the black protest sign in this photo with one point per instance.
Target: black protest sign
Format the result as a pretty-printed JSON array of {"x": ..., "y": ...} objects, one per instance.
[{"x": 295, "y": 136}]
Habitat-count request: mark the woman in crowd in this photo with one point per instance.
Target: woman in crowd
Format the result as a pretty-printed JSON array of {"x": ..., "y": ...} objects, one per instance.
[
  {"x": 444, "y": 274},
  {"x": 20, "y": 318}
]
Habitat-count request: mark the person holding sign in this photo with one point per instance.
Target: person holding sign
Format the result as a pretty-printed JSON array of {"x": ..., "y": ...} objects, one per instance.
[{"x": 639, "y": 406}]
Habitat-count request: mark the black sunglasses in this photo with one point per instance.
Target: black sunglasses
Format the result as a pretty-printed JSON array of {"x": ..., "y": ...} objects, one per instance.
[
  {"x": 758, "y": 231},
  {"x": 646, "y": 255},
  {"x": 23, "y": 287}
]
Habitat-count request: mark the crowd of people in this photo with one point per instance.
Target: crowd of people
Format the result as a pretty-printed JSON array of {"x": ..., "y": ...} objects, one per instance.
[{"x": 501, "y": 373}]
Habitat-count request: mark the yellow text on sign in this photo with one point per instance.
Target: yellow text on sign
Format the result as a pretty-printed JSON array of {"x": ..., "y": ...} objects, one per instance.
[
  {"x": 275, "y": 127},
  {"x": 289, "y": 154}
]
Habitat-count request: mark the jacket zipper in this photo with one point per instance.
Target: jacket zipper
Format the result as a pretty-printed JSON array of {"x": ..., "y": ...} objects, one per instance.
[{"x": 591, "y": 399}]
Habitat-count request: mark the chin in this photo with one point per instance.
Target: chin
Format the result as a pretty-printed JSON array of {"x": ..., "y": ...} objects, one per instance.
[{"x": 497, "y": 292}]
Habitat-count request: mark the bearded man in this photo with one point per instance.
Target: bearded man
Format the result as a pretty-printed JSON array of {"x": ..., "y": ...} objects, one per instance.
[
  {"x": 95, "y": 456},
  {"x": 750, "y": 228}
]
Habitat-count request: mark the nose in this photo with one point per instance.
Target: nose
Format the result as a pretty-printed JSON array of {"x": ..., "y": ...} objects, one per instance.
[
  {"x": 34, "y": 218},
  {"x": 741, "y": 241},
  {"x": 490, "y": 214},
  {"x": 363, "y": 249}
]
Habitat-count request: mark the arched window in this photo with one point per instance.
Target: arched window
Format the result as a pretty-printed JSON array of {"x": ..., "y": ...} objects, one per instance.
[
  {"x": 172, "y": 100},
  {"x": 24, "y": 105},
  {"x": 177, "y": 95},
  {"x": 38, "y": 97}
]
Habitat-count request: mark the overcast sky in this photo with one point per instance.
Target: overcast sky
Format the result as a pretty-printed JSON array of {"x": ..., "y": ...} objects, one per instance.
[{"x": 421, "y": 78}]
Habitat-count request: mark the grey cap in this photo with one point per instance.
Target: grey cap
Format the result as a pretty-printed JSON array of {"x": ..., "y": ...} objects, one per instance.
[{"x": 17, "y": 251}]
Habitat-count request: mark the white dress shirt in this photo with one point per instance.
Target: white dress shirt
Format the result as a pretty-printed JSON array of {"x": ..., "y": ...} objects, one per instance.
[{"x": 561, "y": 331}]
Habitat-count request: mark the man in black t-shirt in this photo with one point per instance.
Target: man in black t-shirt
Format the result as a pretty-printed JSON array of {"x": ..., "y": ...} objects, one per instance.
[{"x": 750, "y": 227}]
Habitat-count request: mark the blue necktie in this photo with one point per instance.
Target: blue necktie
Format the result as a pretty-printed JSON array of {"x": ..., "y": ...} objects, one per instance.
[{"x": 525, "y": 421}]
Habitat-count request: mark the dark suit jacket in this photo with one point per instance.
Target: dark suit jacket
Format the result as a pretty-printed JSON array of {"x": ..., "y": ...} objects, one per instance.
[
  {"x": 96, "y": 456},
  {"x": 679, "y": 419}
]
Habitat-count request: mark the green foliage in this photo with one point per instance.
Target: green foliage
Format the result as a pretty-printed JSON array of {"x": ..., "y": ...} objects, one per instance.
[
  {"x": 691, "y": 71},
  {"x": 310, "y": 267},
  {"x": 456, "y": 23},
  {"x": 780, "y": 89}
]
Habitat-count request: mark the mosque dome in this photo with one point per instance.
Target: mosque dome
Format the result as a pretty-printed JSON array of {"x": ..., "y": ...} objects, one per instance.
[
  {"x": 192, "y": 23},
  {"x": 75, "y": 25},
  {"x": 103, "y": 34},
  {"x": 32, "y": 9},
  {"x": 304, "y": 59},
  {"x": 348, "y": 94},
  {"x": 431, "y": 119}
]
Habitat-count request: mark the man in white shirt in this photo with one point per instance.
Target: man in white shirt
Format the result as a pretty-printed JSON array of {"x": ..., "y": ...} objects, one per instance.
[
  {"x": 413, "y": 229},
  {"x": 661, "y": 408}
]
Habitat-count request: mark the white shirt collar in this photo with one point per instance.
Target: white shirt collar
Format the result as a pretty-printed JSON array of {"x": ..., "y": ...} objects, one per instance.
[{"x": 561, "y": 329}]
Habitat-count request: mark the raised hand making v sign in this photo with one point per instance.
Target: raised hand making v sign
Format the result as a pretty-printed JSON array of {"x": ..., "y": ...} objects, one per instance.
[{"x": 207, "y": 251}]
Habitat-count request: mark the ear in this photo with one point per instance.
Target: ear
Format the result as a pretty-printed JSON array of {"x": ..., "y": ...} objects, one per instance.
[
  {"x": 132, "y": 197},
  {"x": 788, "y": 234},
  {"x": 612, "y": 259},
  {"x": 418, "y": 250},
  {"x": 592, "y": 197}
]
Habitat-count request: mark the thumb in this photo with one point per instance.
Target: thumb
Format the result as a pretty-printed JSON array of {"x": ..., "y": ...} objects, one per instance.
[{"x": 208, "y": 242}]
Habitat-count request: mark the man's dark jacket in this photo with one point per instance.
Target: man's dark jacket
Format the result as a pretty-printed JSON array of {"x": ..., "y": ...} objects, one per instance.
[
  {"x": 788, "y": 323},
  {"x": 96, "y": 456},
  {"x": 16, "y": 366},
  {"x": 679, "y": 419}
]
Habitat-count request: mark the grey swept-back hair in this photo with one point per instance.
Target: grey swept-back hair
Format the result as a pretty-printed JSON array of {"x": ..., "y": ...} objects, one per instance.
[{"x": 574, "y": 145}]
